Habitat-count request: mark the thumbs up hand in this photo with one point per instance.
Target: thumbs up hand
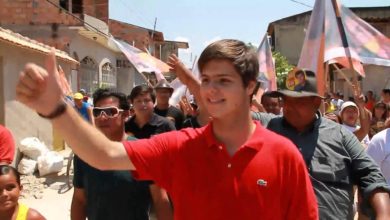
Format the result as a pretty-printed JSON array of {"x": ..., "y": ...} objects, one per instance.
[{"x": 39, "y": 88}]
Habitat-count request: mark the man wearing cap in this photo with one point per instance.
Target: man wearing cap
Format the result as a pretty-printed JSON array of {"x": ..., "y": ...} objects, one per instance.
[
  {"x": 334, "y": 156},
  {"x": 163, "y": 108},
  {"x": 83, "y": 108},
  {"x": 349, "y": 114}
]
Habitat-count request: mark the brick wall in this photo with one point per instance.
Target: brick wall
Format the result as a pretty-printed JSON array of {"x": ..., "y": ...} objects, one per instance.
[
  {"x": 34, "y": 12},
  {"x": 97, "y": 9},
  {"x": 140, "y": 37}
]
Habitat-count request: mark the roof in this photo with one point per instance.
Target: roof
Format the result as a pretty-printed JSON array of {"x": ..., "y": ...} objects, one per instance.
[{"x": 11, "y": 37}]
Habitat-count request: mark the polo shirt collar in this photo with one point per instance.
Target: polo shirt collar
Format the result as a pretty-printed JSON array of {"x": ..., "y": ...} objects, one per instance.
[{"x": 255, "y": 141}]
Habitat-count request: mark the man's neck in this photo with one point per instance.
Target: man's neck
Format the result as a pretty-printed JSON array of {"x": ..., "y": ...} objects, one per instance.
[
  {"x": 162, "y": 106},
  {"x": 234, "y": 132},
  {"x": 141, "y": 120}
]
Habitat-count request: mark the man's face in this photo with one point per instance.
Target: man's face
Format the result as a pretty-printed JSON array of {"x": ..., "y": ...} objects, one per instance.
[
  {"x": 222, "y": 90},
  {"x": 300, "y": 112},
  {"x": 386, "y": 97},
  {"x": 143, "y": 104},
  {"x": 110, "y": 124},
  {"x": 271, "y": 105},
  {"x": 163, "y": 95},
  {"x": 78, "y": 102},
  {"x": 350, "y": 115}
]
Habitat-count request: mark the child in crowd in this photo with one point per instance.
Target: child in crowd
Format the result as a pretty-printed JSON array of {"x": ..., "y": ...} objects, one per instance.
[{"x": 10, "y": 188}]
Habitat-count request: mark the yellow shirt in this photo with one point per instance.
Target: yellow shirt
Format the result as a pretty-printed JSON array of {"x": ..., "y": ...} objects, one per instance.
[{"x": 22, "y": 212}]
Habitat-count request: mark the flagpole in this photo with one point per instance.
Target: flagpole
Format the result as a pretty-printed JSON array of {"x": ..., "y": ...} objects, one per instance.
[{"x": 344, "y": 41}]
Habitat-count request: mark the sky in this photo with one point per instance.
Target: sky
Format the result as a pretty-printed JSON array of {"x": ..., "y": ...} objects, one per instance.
[{"x": 201, "y": 22}]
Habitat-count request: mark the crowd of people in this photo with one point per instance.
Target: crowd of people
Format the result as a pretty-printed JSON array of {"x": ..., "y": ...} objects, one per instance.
[{"x": 294, "y": 154}]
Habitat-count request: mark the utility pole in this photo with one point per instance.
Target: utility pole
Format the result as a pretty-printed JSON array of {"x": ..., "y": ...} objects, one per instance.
[{"x": 154, "y": 29}]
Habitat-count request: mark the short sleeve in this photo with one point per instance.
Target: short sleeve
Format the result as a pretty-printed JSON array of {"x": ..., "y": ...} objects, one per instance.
[{"x": 7, "y": 146}]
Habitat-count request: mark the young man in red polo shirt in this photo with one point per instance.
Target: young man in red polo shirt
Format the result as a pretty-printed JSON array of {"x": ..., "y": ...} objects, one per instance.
[{"x": 232, "y": 168}]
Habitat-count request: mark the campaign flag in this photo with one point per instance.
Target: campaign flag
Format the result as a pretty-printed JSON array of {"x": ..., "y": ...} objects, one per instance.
[
  {"x": 141, "y": 60},
  {"x": 336, "y": 35},
  {"x": 267, "y": 73}
]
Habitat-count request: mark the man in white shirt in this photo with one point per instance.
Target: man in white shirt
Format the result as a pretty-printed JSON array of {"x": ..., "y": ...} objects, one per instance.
[{"x": 379, "y": 150}]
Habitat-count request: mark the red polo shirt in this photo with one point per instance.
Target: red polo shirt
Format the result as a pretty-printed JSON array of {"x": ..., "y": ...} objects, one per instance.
[
  {"x": 265, "y": 179},
  {"x": 7, "y": 145}
]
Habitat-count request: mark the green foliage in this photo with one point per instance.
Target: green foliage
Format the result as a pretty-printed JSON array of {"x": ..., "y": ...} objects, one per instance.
[{"x": 282, "y": 67}]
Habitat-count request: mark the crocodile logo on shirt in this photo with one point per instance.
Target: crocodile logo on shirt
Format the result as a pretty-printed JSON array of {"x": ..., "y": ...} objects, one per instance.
[{"x": 261, "y": 182}]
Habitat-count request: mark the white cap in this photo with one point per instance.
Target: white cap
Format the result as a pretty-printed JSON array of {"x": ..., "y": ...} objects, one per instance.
[{"x": 348, "y": 104}]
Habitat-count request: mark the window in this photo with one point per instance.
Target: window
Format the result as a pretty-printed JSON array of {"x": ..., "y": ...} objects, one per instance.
[
  {"x": 77, "y": 6},
  {"x": 108, "y": 76}
]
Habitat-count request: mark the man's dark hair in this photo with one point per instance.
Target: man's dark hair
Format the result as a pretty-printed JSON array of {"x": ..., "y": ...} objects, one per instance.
[
  {"x": 7, "y": 169},
  {"x": 100, "y": 94},
  {"x": 141, "y": 90},
  {"x": 386, "y": 91},
  {"x": 243, "y": 58},
  {"x": 268, "y": 95}
]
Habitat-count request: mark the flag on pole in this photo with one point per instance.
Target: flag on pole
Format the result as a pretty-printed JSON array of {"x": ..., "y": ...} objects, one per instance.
[
  {"x": 141, "y": 60},
  {"x": 267, "y": 73},
  {"x": 336, "y": 35}
]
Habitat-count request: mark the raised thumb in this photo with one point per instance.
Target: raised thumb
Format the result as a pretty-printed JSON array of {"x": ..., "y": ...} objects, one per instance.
[{"x": 51, "y": 63}]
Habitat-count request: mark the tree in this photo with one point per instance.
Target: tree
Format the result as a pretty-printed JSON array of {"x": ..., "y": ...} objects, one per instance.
[{"x": 282, "y": 67}]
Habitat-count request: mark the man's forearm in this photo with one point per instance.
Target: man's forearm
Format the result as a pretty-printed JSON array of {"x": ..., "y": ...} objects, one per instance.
[
  {"x": 362, "y": 132},
  {"x": 77, "y": 210},
  {"x": 161, "y": 203},
  {"x": 90, "y": 144},
  {"x": 380, "y": 202}
]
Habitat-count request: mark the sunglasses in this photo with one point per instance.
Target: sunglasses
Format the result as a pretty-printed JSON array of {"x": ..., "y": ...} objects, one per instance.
[{"x": 108, "y": 111}]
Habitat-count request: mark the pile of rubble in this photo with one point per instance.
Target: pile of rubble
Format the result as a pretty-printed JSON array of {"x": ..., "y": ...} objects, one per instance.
[{"x": 32, "y": 186}]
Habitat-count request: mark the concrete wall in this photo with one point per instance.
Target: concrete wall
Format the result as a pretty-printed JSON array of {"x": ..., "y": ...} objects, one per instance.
[{"x": 22, "y": 121}]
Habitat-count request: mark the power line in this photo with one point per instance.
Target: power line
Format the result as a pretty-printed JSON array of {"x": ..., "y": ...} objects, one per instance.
[
  {"x": 301, "y": 3},
  {"x": 74, "y": 16}
]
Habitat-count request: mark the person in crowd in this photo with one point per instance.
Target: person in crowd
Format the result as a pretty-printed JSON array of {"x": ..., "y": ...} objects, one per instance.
[
  {"x": 350, "y": 113},
  {"x": 334, "y": 156},
  {"x": 379, "y": 150},
  {"x": 85, "y": 95},
  {"x": 379, "y": 116},
  {"x": 271, "y": 104},
  {"x": 7, "y": 146},
  {"x": 145, "y": 123},
  {"x": 10, "y": 188},
  {"x": 163, "y": 93},
  {"x": 113, "y": 194},
  {"x": 247, "y": 172},
  {"x": 338, "y": 101},
  {"x": 83, "y": 108},
  {"x": 385, "y": 96},
  {"x": 370, "y": 101}
]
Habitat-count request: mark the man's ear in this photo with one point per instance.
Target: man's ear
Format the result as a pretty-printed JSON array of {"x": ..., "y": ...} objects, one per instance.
[{"x": 251, "y": 87}]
